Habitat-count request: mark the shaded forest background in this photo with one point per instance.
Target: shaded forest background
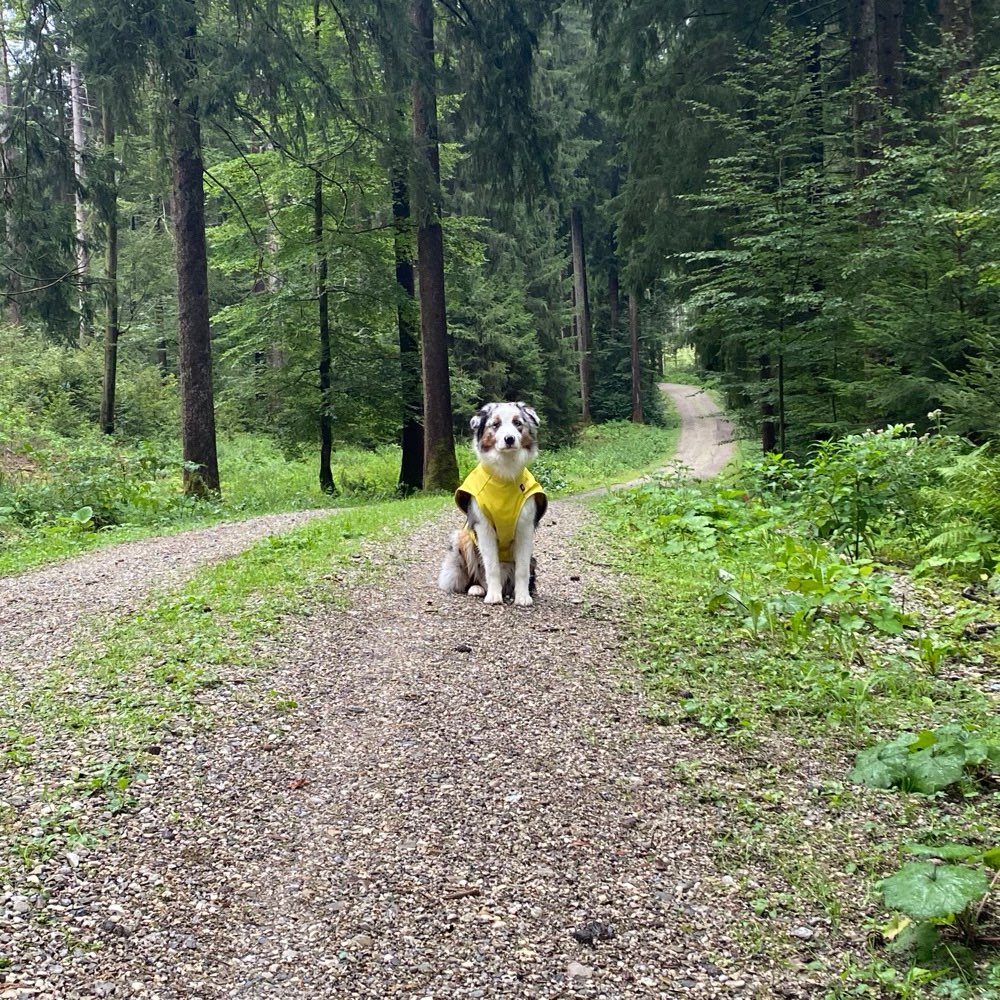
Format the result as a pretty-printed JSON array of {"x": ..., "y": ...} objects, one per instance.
[{"x": 350, "y": 224}]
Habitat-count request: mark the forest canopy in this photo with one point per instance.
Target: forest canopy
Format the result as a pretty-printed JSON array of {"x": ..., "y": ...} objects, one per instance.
[{"x": 351, "y": 224}]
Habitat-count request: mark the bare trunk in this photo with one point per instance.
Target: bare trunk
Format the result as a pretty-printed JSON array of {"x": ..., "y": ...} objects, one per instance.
[
  {"x": 440, "y": 463},
  {"x": 323, "y": 298},
  {"x": 582, "y": 302},
  {"x": 768, "y": 429},
  {"x": 865, "y": 71},
  {"x": 194, "y": 358},
  {"x": 111, "y": 283},
  {"x": 889, "y": 26},
  {"x": 162, "y": 361},
  {"x": 77, "y": 101},
  {"x": 955, "y": 23},
  {"x": 411, "y": 468},
  {"x": 633, "y": 350},
  {"x": 7, "y": 172},
  {"x": 614, "y": 298}
]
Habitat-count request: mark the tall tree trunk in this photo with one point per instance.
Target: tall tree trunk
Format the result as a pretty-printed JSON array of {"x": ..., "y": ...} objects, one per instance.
[
  {"x": 440, "y": 463},
  {"x": 323, "y": 298},
  {"x": 582, "y": 301},
  {"x": 614, "y": 295},
  {"x": 768, "y": 428},
  {"x": 864, "y": 63},
  {"x": 955, "y": 23},
  {"x": 411, "y": 467},
  {"x": 782, "y": 427},
  {"x": 889, "y": 27},
  {"x": 110, "y": 279},
  {"x": 633, "y": 351},
  {"x": 76, "y": 102},
  {"x": 8, "y": 171},
  {"x": 194, "y": 356},
  {"x": 160, "y": 351}
]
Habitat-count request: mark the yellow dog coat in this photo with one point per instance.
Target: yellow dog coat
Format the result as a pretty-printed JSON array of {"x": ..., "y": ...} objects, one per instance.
[{"x": 500, "y": 500}]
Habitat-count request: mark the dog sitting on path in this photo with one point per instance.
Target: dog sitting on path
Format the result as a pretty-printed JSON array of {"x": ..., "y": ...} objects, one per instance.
[{"x": 503, "y": 503}]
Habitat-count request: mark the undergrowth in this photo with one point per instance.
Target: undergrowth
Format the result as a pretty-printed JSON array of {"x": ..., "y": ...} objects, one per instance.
[
  {"x": 800, "y": 620},
  {"x": 62, "y": 495}
]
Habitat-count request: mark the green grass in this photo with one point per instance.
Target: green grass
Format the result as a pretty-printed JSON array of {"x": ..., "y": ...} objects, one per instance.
[
  {"x": 778, "y": 703},
  {"x": 135, "y": 493},
  {"x": 111, "y": 701},
  {"x": 607, "y": 454}
]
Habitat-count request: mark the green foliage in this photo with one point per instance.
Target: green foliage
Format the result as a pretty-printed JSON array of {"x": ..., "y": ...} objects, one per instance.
[
  {"x": 925, "y": 891},
  {"x": 938, "y": 898},
  {"x": 929, "y": 761}
]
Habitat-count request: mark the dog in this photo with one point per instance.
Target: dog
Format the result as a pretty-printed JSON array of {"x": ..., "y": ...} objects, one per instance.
[{"x": 503, "y": 503}]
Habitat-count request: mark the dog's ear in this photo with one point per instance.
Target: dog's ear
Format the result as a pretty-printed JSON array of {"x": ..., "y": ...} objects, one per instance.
[
  {"x": 478, "y": 422},
  {"x": 529, "y": 413}
]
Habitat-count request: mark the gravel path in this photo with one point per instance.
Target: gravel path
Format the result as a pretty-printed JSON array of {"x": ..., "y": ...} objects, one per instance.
[
  {"x": 40, "y": 611},
  {"x": 706, "y": 443},
  {"x": 455, "y": 792},
  {"x": 416, "y": 797}
]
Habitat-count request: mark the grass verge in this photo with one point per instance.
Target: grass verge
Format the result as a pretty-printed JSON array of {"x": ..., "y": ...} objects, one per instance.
[
  {"x": 58, "y": 504},
  {"x": 101, "y": 713},
  {"x": 782, "y": 662}
]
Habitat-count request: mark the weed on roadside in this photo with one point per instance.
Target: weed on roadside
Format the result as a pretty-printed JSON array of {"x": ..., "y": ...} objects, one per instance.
[{"x": 790, "y": 653}]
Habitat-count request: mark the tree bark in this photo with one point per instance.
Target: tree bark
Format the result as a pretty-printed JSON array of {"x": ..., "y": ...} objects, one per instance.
[
  {"x": 76, "y": 102},
  {"x": 326, "y": 483},
  {"x": 440, "y": 463},
  {"x": 8, "y": 171},
  {"x": 633, "y": 350},
  {"x": 889, "y": 28},
  {"x": 768, "y": 428},
  {"x": 411, "y": 468},
  {"x": 955, "y": 23},
  {"x": 582, "y": 302},
  {"x": 323, "y": 298},
  {"x": 614, "y": 297},
  {"x": 864, "y": 63},
  {"x": 111, "y": 329},
  {"x": 194, "y": 358}
]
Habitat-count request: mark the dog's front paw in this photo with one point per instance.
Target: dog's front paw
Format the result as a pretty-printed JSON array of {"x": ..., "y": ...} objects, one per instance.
[
  {"x": 493, "y": 597},
  {"x": 475, "y": 591},
  {"x": 523, "y": 600}
]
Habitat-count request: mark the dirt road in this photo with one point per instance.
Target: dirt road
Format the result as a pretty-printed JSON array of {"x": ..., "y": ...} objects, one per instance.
[{"x": 706, "y": 442}]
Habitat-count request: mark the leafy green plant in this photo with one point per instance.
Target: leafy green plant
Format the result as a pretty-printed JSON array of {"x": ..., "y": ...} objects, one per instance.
[
  {"x": 811, "y": 588},
  {"x": 15, "y": 747},
  {"x": 859, "y": 488},
  {"x": 114, "y": 780},
  {"x": 940, "y": 897},
  {"x": 927, "y": 762}
]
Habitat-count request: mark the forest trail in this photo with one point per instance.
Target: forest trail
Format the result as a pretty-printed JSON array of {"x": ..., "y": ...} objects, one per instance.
[
  {"x": 417, "y": 796},
  {"x": 706, "y": 444}
]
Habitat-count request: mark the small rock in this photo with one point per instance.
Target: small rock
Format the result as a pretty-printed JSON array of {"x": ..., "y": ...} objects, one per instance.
[
  {"x": 577, "y": 971},
  {"x": 593, "y": 931},
  {"x": 462, "y": 648},
  {"x": 805, "y": 933}
]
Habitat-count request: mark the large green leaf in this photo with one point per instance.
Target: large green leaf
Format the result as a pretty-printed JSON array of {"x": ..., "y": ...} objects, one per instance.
[
  {"x": 883, "y": 765},
  {"x": 946, "y": 852},
  {"x": 937, "y": 767},
  {"x": 926, "y": 891}
]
